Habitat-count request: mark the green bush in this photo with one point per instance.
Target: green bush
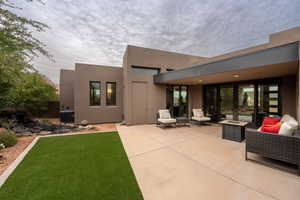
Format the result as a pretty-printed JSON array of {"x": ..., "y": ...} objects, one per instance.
[
  {"x": 8, "y": 138},
  {"x": 5, "y": 123}
]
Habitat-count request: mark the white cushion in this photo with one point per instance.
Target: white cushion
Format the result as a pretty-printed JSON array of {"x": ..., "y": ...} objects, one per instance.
[
  {"x": 290, "y": 120},
  {"x": 259, "y": 129},
  {"x": 201, "y": 119},
  {"x": 286, "y": 129},
  {"x": 167, "y": 121},
  {"x": 164, "y": 114},
  {"x": 198, "y": 112}
]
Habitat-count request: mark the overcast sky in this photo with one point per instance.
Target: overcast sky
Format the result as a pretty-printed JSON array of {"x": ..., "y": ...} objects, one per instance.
[{"x": 97, "y": 31}]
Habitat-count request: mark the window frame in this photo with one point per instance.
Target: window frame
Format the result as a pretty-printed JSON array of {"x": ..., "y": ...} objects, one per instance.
[
  {"x": 90, "y": 92},
  {"x": 145, "y": 68},
  {"x": 115, "y": 83},
  {"x": 170, "y": 69}
]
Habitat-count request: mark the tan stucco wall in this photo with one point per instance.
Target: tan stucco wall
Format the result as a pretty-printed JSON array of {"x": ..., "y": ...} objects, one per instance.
[
  {"x": 74, "y": 84},
  {"x": 66, "y": 88},
  {"x": 195, "y": 97},
  {"x": 97, "y": 114},
  {"x": 284, "y": 37},
  {"x": 156, "y": 94}
]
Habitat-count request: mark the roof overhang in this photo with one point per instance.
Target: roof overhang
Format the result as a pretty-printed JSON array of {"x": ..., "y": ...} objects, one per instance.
[{"x": 280, "y": 58}]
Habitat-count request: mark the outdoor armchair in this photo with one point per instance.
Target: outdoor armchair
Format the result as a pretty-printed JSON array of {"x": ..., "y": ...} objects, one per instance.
[
  {"x": 198, "y": 116},
  {"x": 163, "y": 117}
]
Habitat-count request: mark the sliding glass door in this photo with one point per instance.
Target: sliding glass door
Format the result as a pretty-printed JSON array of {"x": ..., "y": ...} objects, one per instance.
[
  {"x": 246, "y": 102},
  {"x": 243, "y": 101},
  {"x": 226, "y": 102},
  {"x": 268, "y": 102},
  {"x": 177, "y": 100},
  {"x": 211, "y": 102}
]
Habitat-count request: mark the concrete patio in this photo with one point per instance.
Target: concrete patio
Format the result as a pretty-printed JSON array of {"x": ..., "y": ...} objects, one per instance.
[{"x": 196, "y": 163}]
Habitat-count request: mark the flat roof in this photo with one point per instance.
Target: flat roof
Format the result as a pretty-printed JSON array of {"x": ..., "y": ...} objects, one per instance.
[{"x": 273, "y": 55}]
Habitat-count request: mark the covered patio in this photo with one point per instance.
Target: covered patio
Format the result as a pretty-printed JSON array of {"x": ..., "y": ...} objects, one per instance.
[
  {"x": 243, "y": 87},
  {"x": 196, "y": 163}
]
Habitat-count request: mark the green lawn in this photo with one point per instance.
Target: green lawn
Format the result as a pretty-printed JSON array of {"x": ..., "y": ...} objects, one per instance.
[{"x": 87, "y": 167}]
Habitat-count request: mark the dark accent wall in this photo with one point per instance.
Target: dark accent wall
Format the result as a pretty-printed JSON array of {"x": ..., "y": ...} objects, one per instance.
[{"x": 289, "y": 95}]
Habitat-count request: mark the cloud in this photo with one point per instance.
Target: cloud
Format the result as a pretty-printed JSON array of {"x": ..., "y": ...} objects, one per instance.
[{"x": 93, "y": 31}]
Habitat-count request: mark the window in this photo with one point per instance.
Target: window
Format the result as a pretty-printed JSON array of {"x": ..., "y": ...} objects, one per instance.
[
  {"x": 149, "y": 70},
  {"x": 111, "y": 93},
  {"x": 95, "y": 93}
]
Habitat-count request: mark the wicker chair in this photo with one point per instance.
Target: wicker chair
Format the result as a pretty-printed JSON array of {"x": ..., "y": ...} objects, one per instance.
[{"x": 275, "y": 146}]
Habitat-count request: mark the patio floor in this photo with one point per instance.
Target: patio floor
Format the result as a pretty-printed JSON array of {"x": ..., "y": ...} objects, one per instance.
[{"x": 195, "y": 163}]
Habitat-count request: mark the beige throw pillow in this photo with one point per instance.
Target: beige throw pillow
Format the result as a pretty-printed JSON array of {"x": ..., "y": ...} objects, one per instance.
[
  {"x": 286, "y": 129},
  {"x": 164, "y": 114},
  {"x": 198, "y": 113}
]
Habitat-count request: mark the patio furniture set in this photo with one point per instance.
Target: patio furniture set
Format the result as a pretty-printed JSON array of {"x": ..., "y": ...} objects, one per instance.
[
  {"x": 279, "y": 141},
  {"x": 283, "y": 146},
  {"x": 164, "y": 118}
]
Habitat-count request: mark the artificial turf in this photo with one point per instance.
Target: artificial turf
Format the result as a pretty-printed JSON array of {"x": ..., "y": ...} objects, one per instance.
[{"x": 89, "y": 167}]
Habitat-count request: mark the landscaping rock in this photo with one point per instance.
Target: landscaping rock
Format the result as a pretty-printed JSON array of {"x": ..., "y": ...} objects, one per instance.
[
  {"x": 33, "y": 127},
  {"x": 58, "y": 131},
  {"x": 27, "y": 134},
  {"x": 90, "y": 127},
  {"x": 84, "y": 123},
  {"x": 44, "y": 133},
  {"x": 19, "y": 129}
]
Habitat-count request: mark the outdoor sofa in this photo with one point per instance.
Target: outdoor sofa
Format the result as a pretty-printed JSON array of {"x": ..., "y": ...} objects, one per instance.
[
  {"x": 198, "y": 116},
  {"x": 163, "y": 117},
  {"x": 279, "y": 147}
]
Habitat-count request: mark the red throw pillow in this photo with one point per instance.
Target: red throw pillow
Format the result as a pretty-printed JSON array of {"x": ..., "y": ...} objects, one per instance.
[
  {"x": 271, "y": 125},
  {"x": 270, "y": 121},
  {"x": 271, "y": 128}
]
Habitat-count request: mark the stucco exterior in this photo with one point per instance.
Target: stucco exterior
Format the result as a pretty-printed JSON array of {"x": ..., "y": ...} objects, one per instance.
[
  {"x": 85, "y": 73},
  {"x": 139, "y": 98},
  {"x": 66, "y": 87},
  {"x": 155, "y": 94}
]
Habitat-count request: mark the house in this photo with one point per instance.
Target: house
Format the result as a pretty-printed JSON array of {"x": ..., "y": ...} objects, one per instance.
[{"x": 242, "y": 85}]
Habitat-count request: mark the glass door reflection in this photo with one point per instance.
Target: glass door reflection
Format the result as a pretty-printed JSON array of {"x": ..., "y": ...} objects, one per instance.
[
  {"x": 226, "y": 102},
  {"x": 177, "y": 100},
  {"x": 246, "y": 102},
  {"x": 211, "y": 102}
]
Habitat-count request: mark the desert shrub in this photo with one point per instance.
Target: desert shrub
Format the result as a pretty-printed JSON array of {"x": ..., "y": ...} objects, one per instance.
[
  {"x": 5, "y": 123},
  {"x": 2, "y": 146},
  {"x": 8, "y": 138},
  {"x": 45, "y": 121}
]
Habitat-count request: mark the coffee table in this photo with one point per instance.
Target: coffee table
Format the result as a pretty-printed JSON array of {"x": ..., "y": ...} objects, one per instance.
[{"x": 233, "y": 130}]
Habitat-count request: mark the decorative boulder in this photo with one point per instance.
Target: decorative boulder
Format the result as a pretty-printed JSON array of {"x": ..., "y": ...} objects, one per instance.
[{"x": 84, "y": 123}]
